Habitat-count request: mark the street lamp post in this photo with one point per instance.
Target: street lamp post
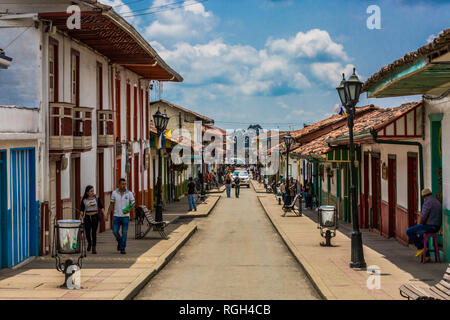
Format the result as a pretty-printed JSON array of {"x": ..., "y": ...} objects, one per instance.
[
  {"x": 288, "y": 142},
  {"x": 161, "y": 121},
  {"x": 349, "y": 91}
]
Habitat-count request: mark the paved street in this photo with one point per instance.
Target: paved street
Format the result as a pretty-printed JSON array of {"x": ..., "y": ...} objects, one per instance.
[{"x": 235, "y": 254}]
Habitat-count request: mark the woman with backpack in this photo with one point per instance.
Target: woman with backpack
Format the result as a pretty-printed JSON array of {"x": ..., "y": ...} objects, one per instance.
[{"x": 91, "y": 212}]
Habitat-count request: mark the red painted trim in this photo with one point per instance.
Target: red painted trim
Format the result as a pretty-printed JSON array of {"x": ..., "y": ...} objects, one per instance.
[
  {"x": 58, "y": 190},
  {"x": 77, "y": 80},
  {"x": 128, "y": 111},
  {"x": 55, "y": 43},
  {"x": 135, "y": 113},
  {"x": 141, "y": 111},
  {"x": 406, "y": 125},
  {"x": 395, "y": 128},
  {"x": 100, "y": 84},
  {"x": 415, "y": 122},
  {"x": 147, "y": 120},
  {"x": 395, "y": 119}
]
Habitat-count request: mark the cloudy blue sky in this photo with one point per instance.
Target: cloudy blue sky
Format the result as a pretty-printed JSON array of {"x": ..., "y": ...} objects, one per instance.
[{"x": 277, "y": 62}]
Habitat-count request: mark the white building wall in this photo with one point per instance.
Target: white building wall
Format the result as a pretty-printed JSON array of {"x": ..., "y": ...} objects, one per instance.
[
  {"x": 401, "y": 153},
  {"x": 432, "y": 107}
]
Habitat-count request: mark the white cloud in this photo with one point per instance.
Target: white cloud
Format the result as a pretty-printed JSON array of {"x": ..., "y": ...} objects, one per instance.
[
  {"x": 315, "y": 43},
  {"x": 237, "y": 68},
  {"x": 331, "y": 72},
  {"x": 196, "y": 8},
  {"x": 191, "y": 21}
]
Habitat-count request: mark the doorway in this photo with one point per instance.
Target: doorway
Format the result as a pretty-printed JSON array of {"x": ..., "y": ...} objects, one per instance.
[
  {"x": 376, "y": 192},
  {"x": 75, "y": 186},
  {"x": 3, "y": 208},
  {"x": 101, "y": 184},
  {"x": 365, "y": 219},
  {"x": 413, "y": 195},
  {"x": 392, "y": 193}
]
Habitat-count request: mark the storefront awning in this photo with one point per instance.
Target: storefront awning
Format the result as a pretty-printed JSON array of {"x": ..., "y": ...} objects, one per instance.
[
  {"x": 424, "y": 71},
  {"x": 108, "y": 33}
]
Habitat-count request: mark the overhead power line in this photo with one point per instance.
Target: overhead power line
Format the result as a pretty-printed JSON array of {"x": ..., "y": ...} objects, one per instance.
[
  {"x": 167, "y": 9},
  {"x": 152, "y": 8}
]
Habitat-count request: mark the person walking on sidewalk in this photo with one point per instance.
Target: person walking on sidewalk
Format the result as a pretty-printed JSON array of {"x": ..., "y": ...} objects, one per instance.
[
  {"x": 91, "y": 208},
  {"x": 237, "y": 185},
  {"x": 191, "y": 195},
  {"x": 228, "y": 184},
  {"x": 122, "y": 200},
  {"x": 430, "y": 222},
  {"x": 283, "y": 190}
]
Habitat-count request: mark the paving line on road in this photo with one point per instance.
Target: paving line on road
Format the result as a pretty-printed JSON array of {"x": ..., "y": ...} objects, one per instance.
[{"x": 152, "y": 259}]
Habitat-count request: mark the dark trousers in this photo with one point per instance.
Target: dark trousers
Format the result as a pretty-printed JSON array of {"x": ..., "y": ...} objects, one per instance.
[
  {"x": 237, "y": 189},
  {"x": 415, "y": 234},
  {"x": 308, "y": 201},
  {"x": 91, "y": 225}
]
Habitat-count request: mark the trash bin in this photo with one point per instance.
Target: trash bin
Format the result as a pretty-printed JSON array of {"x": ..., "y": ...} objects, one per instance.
[
  {"x": 68, "y": 233},
  {"x": 327, "y": 216}
]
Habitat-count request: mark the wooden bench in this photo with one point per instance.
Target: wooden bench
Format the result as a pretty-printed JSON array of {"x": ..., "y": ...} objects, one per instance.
[
  {"x": 291, "y": 207},
  {"x": 144, "y": 216},
  {"x": 440, "y": 291}
]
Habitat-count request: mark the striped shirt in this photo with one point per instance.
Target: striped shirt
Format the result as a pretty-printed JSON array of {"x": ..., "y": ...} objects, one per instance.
[{"x": 432, "y": 212}]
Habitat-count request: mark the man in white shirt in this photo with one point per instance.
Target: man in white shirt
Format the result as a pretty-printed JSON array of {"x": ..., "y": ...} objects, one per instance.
[{"x": 122, "y": 200}]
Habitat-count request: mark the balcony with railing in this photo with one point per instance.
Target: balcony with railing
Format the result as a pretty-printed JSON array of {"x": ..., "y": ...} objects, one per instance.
[
  {"x": 61, "y": 126},
  {"x": 105, "y": 128},
  {"x": 82, "y": 129}
]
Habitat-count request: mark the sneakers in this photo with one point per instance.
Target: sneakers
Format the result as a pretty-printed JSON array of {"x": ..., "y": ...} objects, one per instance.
[
  {"x": 419, "y": 252},
  {"x": 118, "y": 246},
  {"x": 122, "y": 252}
]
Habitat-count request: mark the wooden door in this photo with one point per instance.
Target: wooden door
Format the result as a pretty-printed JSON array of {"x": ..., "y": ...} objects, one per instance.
[
  {"x": 136, "y": 179},
  {"x": 136, "y": 190},
  {"x": 55, "y": 191},
  {"x": 3, "y": 208},
  {"x": 101, "y": 184},
  {"x": 365, "y": 220},
  {"x": 392, "y": 193},
  {"x": 413, "y": 196},
  {"x": 376, "y": 193}
]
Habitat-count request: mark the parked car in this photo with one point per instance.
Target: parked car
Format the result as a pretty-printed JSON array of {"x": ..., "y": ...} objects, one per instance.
[{"x": 243, "y": 175}]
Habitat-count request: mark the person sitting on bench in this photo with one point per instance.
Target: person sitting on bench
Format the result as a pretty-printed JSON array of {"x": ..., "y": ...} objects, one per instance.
[{"x": 430, "y": 222}]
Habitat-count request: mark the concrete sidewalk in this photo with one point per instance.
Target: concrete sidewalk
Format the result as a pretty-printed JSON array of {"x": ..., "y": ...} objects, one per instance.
[
  {"x": 258, "y": 187},
  {"x": 217, "y": 190},
  {"x": 203, "y": 209},
  {"x": 328, "y": 267},
  {"x": 108, "y": 274}
]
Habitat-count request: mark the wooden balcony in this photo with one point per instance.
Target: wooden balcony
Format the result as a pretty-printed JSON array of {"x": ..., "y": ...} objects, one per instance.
[
  {"x": 82, "y": 131},
  {"x": 61, "y": 126},
  {"x": 105, "y": 128}
]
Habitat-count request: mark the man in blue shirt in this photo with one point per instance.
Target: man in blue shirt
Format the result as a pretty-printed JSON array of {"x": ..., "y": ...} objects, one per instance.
[{"x": 430, "y": 221}]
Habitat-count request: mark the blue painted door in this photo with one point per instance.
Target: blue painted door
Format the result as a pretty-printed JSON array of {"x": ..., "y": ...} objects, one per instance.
[
  {"x": 3, "y": 209},
  {"x": 23, "y": 216}
]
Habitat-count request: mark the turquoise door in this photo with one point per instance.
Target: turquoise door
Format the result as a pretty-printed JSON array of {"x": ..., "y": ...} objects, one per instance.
[
  {"x": 3, "y": 208},
  {"x": 23, "y": 216}
]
